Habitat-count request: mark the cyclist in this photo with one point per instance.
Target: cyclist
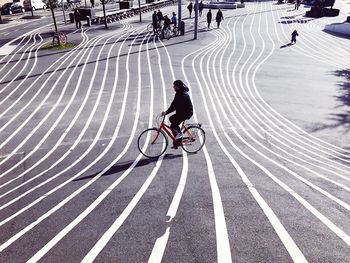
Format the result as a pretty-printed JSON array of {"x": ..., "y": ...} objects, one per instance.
[
  {"x": 183, "y": 106},
  {"x": 166, "y": 24}
]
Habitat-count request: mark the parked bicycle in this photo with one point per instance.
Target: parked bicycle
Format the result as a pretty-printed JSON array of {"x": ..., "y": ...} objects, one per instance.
[
  {"x": 153, "y": 142},
  {"x": 59, "y": 38}
]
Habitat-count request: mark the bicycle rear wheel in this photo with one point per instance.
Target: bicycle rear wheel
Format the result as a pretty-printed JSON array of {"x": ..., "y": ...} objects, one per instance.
[
  {"x": 152, "y": 143},
  {"x": 193, "y": 139},
  {"x": 167, "y": 34}
]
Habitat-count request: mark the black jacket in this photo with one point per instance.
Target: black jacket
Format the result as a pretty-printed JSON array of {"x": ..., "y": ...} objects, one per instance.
[{"x": 181, "y": 104}]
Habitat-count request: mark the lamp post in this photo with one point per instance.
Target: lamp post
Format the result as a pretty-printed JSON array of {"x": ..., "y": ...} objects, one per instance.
[
  {"x": 196, "y": 19},
  {"x": 139, "y": 9},
  {"x": 104, "y": 13},
  {"x": 54, "y": 22}
]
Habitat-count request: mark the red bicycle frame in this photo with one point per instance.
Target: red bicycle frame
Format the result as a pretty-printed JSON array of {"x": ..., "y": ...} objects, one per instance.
[{"x": 167, "y": 130}]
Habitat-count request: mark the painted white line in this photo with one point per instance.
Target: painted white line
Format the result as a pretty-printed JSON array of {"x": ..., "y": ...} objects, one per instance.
[
  {"x": 288, "y": 242},
  {"x": 66, "y": 200},
  {"x": 159, "y": 247},
  {"x": 222, "y": 240},
  {"x": 5, "y": 50}
]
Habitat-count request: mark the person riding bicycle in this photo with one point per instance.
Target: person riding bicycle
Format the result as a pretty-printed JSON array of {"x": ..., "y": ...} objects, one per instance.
[
  {"x": 182, "y": 104},
  {"x": 166, "y": 24}
]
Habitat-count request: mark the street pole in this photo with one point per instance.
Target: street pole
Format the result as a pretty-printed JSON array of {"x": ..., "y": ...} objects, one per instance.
[
  {"x": 54, "y": 22},
  {"x": 140, "y": 9},
  {"x": 196, "y": 19},
  {"x": 104, "y": 13},
  {"x": 179, "y": 12}
]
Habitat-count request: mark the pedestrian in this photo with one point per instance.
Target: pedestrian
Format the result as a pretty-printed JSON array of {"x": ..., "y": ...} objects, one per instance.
[
  {"x": 155, "y": 22},
  {"x": 190, "y": 8},
  {"x": 201, "y": 6},
  {"x": 92, "y": 3},
  {"x": 160, "y": 16},
  {"x": 219, "y": 18},
  {"x": 174, "y": 20},
  {"x": 294, "y": 37},
  {"x": 297, "y": 4},
  {"x": 77, "y": 18},
  {"x": 209, "y": 17}
]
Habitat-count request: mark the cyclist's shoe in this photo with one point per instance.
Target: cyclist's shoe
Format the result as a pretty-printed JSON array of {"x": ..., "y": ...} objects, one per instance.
[
  {"x": 174, "y": 146},
  {"x": 178, "y": 136}
]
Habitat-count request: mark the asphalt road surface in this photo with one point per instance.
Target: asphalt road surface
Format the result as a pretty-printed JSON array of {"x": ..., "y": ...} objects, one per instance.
[{"x": 270, "y": 185}]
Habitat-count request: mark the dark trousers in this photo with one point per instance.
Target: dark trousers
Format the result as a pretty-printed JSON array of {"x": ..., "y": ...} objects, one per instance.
[
  {"x": 78, "y": 23},
  {"x": 175, "y": 121}
]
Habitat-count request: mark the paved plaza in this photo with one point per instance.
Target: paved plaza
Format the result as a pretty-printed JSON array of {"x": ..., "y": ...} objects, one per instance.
[{"x": 271, "y": 184}]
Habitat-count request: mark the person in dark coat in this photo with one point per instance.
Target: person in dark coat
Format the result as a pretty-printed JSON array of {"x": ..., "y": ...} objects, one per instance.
[
  {"x": 190, "y": 8},
  {"x": 219, "y": 17},
  {"x": 294, "y": 37},
  {"x": 201, "y": 6},
  {"x": 167, "y": 23},
  {"x": 155, "y": 22},
  {"x": 182, "y": 104},
  {"x": 209, "y": 17},
  {"x": 77, "y": 18},
  {"x": 160, "y": 16},
  {"x": 92, "y": 3}
]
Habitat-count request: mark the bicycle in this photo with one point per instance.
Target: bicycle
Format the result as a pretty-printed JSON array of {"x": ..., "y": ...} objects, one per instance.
[
  {"x": 153, "y": 142},
  {"x": 170, "y": 32},
  {"x": 60, "y": 37}
]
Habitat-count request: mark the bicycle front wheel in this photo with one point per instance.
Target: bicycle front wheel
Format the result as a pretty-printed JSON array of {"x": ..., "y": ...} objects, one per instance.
[
  {"x": 193, "y": 139},
  {"x": 150, "y": 28},
  {"x": 152, "y": 143}
]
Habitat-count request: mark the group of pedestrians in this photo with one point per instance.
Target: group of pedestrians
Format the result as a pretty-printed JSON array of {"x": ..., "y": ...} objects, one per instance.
[
  {"x": 192, "y": 7},
  {"x": 218, "y": 18}
]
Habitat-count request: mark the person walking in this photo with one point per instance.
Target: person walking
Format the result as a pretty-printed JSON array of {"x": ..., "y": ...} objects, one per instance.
[
  {"x": 160, "y": 16},
  {"x": 209, "y": 17},
  {"x": 297, "y": 4},
  {"x": 174, "y": 20},
  {"x": 219, "y": 18},
  {"x": 294, "y": 37},
  {"x": 201, "y": 6},
  {"x": 190, "y": 8},
  {"x": 155, "y": 22},
  {"x": 92, "y": 3},
  {"x": 77, "y": 18}
]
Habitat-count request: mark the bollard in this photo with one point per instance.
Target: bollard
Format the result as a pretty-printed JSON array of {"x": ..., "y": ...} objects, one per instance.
[
  {"x": 182, "y": 28},
  {"x": 71, "y": 17},
  {"x": 88, "y": 21}
]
